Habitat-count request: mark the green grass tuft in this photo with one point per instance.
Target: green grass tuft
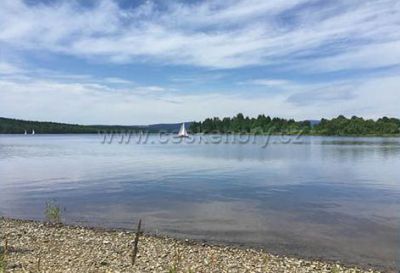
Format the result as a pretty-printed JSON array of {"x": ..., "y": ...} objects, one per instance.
[
  {"x": 53, "y": 212},
  {"x": 335, "y": 269},
  {"x": 172, "y": 270}
]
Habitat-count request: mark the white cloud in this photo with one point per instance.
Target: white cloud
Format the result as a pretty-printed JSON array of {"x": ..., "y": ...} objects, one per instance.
[
  {"x": 314, "y": 94},
  {"x": 370, "y": 56},
  {"x": 211, "y": 34},
  {"x": 117, "y": 80},
  {"x": 95, "y": 102},
  {"x": 270, "y": 82},
  {"x": 8, "y": 68},
  {"x": 299, "y": 35}
]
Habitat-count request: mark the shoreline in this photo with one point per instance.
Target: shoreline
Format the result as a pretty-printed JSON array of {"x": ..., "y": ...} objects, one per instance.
[
  {"x": 37, "y": 247},
  {"x": 210, "y": 134}
]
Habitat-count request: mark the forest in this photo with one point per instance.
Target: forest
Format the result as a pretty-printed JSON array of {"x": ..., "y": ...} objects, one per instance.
[
  {"x": 340, "y": 126},
  {"x": 16, "y": 126}
]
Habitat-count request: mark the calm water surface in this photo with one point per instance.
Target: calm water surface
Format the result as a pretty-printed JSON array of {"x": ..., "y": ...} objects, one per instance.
[{"x": 330, "y": 197}]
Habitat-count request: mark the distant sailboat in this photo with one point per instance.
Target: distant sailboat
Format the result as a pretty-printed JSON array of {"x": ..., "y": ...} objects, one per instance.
[
  {"x": 25, "y": 133},
  {"x": 182, "y": 131},
  {"x": 33, "y": 132}
]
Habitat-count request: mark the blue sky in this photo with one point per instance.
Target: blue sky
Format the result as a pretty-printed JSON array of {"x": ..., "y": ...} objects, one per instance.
[{"x": 140, "y": 62}]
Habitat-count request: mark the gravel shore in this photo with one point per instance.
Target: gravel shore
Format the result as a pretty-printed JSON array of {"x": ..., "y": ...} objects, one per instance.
[{"x": 36, "y": 247}]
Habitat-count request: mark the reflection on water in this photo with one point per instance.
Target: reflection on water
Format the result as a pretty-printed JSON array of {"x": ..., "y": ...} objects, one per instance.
[{"x": 329, "y": 197}]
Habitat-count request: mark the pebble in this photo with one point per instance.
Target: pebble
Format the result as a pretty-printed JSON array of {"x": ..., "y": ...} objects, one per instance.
[{"x": 79, "y": 249}]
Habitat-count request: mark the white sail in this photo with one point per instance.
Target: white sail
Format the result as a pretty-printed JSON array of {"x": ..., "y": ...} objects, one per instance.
[
  {"x": 25, "y": 133},
  {"x": 182, "y": 131},
  {"x": 33, "y": 132}
]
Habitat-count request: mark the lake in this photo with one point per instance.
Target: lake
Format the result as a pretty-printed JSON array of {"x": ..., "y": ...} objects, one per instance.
[{"x": 331, "y": 197}]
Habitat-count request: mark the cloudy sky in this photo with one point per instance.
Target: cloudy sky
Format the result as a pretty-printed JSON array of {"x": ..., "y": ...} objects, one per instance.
[{"x": 140, "y": 62}]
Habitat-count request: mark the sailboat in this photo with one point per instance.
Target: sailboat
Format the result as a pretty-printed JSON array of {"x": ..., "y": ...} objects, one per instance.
[
  {"x": 182, "y": 131},
  {"x": 25, "y": 133},
  {"x": 33, "y": 132}
]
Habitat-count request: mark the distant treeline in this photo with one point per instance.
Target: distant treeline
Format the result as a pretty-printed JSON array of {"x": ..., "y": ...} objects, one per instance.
[
  {"x": 340, "y": 126},
  {"x": 16, "y": 126}
]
